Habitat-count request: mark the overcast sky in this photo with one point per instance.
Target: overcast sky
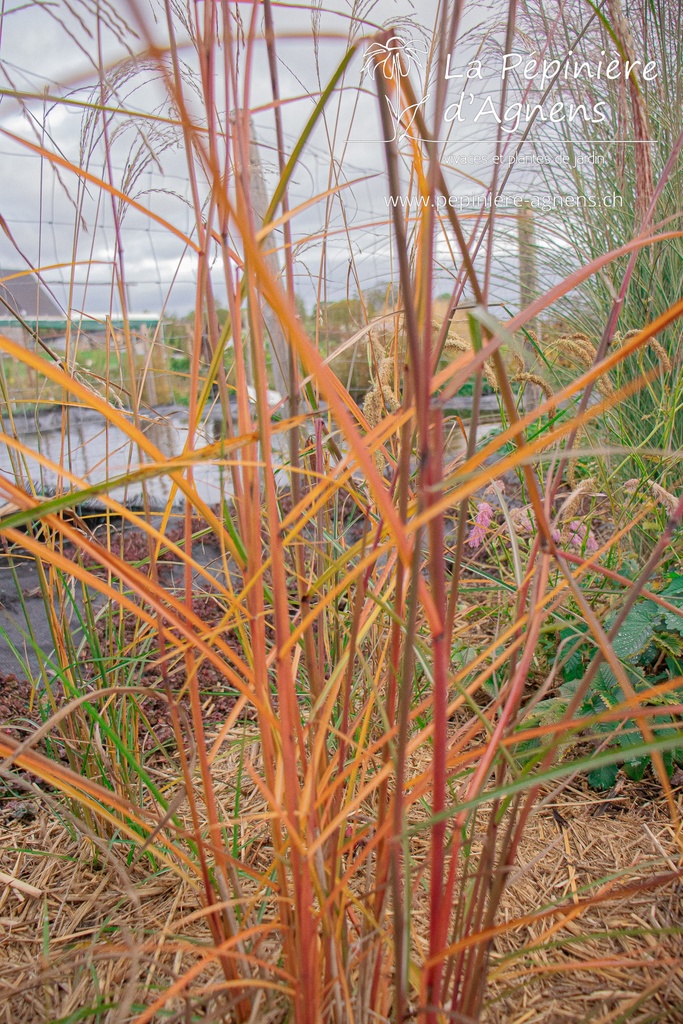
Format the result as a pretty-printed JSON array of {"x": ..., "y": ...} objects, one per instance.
[{"x": 55, "y": 218}]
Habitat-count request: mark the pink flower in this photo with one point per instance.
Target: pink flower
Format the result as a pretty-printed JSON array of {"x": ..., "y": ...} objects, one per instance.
[
  {"x": 577, "y": 536},
  {"x": 577, "y": 531},
  {"x": 482, "y": 522}
]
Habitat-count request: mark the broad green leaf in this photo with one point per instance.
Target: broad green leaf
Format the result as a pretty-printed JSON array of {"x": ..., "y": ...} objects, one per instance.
[
  {"x": 671, "y": 642},
  {"x": 603, "y": 778},
  {"x": 635, "y": 633},
  {"x": 636, "y": 769}
]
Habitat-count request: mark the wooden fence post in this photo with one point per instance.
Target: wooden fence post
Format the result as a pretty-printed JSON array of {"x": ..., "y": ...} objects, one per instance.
[{"x": 163, "y": 380}]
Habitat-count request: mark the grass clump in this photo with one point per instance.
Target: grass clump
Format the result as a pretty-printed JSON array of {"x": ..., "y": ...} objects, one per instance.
[{"x": 317, "y": 719}]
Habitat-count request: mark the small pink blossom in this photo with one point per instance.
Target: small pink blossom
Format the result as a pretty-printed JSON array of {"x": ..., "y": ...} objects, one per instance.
[
  {"x": 591, "y": 543},
  {"x": 577, "y": 536},
  {"x": 482, "y": 521}
]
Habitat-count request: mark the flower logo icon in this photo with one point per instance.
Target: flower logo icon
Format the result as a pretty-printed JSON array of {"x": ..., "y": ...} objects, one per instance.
[
  {"x": 404, "y": 118},
  {"x": 395, "y": 58}
]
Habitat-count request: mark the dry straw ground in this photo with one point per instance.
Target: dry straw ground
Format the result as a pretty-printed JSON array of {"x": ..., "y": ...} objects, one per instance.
[{"x": 80, "y": 929}]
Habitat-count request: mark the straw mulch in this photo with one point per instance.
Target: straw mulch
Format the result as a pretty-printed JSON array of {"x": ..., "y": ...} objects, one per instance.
[
  {"x": 619, "y": 959},
  {"x": 81, "y": 930},
  {"x": 66, "y": 902}
]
